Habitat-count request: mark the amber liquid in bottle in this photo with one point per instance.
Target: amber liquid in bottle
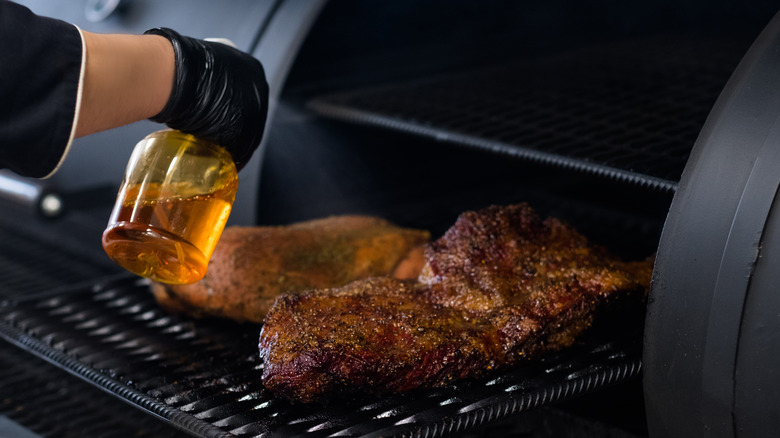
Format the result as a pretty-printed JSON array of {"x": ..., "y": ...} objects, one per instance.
[{"x": 166, "y": 250}]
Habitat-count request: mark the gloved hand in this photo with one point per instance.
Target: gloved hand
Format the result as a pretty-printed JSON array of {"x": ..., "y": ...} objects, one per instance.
[{"x": 219, "y": 94}]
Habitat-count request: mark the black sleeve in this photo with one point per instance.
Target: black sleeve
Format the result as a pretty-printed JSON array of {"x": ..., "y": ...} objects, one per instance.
[{"x": 40, "y": 70}]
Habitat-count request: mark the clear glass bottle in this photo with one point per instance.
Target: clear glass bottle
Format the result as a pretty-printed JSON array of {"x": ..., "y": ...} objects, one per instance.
[{"x": 172, "y": 206}]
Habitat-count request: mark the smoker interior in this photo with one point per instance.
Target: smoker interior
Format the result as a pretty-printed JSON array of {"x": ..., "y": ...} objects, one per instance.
[
  {"x": 204, "y": 376},
  {"x": 626, "y": 110},
  {"x": 588, "y": 113}
]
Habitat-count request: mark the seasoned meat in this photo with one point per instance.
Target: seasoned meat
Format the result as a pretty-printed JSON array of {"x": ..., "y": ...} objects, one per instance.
[
  {"x": 502, "y": 256},
  {"x": 375, "y": 335},
  {"x": 499, "y": 287},
  {"x": 251, "y": 266}
]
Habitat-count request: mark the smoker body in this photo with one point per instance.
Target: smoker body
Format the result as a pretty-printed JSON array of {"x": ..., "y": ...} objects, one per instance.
[{"x": 650, "y": 126}]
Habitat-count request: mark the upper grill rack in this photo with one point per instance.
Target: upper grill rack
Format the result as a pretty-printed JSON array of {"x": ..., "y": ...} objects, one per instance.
[
  {"x": 204, "y": 376},
  {"x": 631, "y": 111}
]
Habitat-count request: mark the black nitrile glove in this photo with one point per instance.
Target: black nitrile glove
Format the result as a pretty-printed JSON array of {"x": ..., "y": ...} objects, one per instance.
[{"x": 219, "y": 94}]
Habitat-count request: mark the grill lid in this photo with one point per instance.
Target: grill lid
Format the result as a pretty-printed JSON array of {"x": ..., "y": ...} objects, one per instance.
[{"x": 712, "y": 345}]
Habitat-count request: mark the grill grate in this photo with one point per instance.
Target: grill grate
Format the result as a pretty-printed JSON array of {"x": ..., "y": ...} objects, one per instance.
[
  {"x": 52, "y": 403},
  {"x": 33, "y": 259},
  {"x": 630, "y": 111},
  {"x": 204, "y": 376}
]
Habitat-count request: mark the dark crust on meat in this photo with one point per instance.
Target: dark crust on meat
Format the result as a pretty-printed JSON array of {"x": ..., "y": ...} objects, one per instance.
[
  {"x": 377, "y": 335},
  {"x": 499, "y": 287}
]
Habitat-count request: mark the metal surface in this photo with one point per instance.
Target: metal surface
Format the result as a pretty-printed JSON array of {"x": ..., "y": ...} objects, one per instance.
[
  {"x": 705, "y": 326},
  {"x": 43, "y": 400},
  {"x": 31, "y": 194},
  {"x": 629, "y": 111},
  {"x": 204, "y": 376},
  {"x": 38, "y": 255}
]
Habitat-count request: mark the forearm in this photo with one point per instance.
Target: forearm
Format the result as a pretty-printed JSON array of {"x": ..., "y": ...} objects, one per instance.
[
  {"x": 127, "y": 78},
  {"x": 61, "y": 82}
]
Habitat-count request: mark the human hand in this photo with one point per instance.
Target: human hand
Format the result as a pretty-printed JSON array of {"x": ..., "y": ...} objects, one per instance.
[{"x": 219, "y": 94}]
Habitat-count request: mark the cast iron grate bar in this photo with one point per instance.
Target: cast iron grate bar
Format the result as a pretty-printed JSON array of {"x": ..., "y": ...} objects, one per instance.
[
  {"x": 630, "y": 111},
  {"x": 52, "y": 403},
  {"x": 203, "y": 376},
  {"x": 33, "y": 261}
]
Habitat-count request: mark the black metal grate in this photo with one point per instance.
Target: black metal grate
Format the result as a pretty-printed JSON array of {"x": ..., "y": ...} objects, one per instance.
[
  {"x": 35, "y": 258},
  {"x": 52, "y": 403},
  {"x": 630, "y": 111},
  {"x": 204, "y": 376}
]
